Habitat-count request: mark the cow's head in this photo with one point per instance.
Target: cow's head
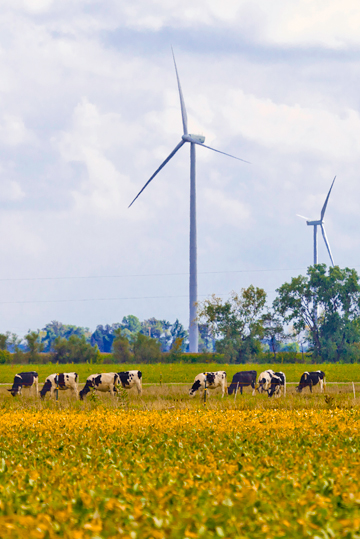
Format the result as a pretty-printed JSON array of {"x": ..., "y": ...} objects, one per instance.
[
  {"x": 45, "y": 389},
  {"x": 302, "y": 382},
  {"x": 89, "y": 384},
  {"x": 196, "y": 385},
  {"x": 15, "y": 390}
]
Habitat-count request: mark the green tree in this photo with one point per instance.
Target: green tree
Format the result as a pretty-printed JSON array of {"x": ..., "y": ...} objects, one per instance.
[
  {"x": 103, "y": 337},
  {"x": 146, "y": 349},
  {"x": 74, "y": 350},
  {"x": 177, "y": 331},
  {"x": 326, "y": 303},
  {"x": 273, "y": 330},
  {"x": 236, "y": 323},
  {"x": 206, "y": 339},
  {"x": 4, "y": 340},
  {"x": 34, "y": 346},
  {"x": 56, "y": 329},
  {"x": 121, "y": 347}
]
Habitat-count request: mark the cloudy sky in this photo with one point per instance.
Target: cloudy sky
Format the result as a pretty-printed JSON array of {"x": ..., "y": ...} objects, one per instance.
[{"x": 88, "y": 110}]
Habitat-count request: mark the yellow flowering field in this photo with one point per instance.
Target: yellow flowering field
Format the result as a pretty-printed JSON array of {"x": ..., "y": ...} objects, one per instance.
[{"x": 106, "y": 473}]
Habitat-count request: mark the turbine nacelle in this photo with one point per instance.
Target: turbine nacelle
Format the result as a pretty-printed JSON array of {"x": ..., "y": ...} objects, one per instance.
[
  {"x": 312, "y": 223},
  {"x": 198, "y": 139}
]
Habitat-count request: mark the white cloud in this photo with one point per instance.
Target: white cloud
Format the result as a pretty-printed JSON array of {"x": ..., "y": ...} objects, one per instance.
[
  {"x": 103, "y": 190},
  {"x": 223, "y": 210},
  {"x": 293, "y": 128},
  {"x": 13, "y": 131},
  {"x": 10, "y": 190}
]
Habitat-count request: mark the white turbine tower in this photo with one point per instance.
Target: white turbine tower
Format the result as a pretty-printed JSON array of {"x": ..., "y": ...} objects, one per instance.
[
  {"x": 320, "y": 223},
  {"x": 193, "y": 140}
]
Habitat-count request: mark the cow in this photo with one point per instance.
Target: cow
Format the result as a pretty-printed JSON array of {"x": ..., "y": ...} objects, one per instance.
[
  {"x": 101, "y": 382},
  {"x": 242, "y": 379},
  {"x": 310, "y": 379},
  {"x": 212, "y": 380},
  {"x": 128, "y": 379},
  {"x": 264, "y": 381},
  {"x": 278, "y": 381},
  {"x": 62, "y": 381},
  {"x": 26, "y": 380}
]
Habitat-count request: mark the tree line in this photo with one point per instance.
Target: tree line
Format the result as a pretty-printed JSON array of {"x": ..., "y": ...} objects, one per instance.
[{"x": 317, "y": 313}]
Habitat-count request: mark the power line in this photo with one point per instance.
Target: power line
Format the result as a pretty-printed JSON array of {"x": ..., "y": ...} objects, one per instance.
[
  {"x": 98, "y": 299},
  {"x": 111, "y": 299},
  {"x": 145, "y": 275}
]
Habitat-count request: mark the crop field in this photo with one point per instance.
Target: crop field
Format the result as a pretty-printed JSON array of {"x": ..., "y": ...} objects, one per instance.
[
  {"x": 180, "y": 373},
  {"x": 108, "y": 473},
  {"x": 163, "y": 465}
]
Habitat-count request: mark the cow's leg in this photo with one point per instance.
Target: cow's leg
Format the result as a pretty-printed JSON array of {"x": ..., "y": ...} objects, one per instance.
[
  {"x": 321, "y": 382},
  {"x": 139, "y": 387},
  {"x": 76, "y": 391},
  {"x": 310, "y": 386},
  {"x": 241, "y": 389}
]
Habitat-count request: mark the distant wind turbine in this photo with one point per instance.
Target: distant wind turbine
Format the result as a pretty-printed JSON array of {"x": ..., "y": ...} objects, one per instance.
[
  {"x": 193, "y": 140},
  {"x": 320, "y": 223}
]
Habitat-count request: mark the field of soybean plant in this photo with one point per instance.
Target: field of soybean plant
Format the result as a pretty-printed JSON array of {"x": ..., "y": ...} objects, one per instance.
[{"x": 163, "y": 465}]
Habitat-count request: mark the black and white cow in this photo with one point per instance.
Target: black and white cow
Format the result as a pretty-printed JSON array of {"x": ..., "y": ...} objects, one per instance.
[
  {"x": 212, "y": 379},
  {"x": 242, "y": 379},
  {"x": 278, "y": 382},
  {"x": 310, "y": 379},
  {"x": 105, "y": 382},
  {"x": 128, "y": 379},
  {"x": 63, "y": 381},
  {"x": 264, "y": 381},
  {"x": 26, "y": 380}
]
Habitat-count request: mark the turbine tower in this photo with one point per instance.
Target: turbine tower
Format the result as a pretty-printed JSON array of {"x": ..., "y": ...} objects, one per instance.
[
  {"x": 320, "y": 223},
  {"x": 193, "y": 140}
]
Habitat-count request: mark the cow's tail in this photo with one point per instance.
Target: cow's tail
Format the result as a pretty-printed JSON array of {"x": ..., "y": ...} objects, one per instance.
[{"x": 284, "y": 385}]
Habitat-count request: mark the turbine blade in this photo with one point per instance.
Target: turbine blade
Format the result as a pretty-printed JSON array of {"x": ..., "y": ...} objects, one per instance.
[
  {"x": 182, "y": 102},
  {"x": 218, "y": 151},
  {"x": 302, "y": 217},
  {"x": 158, "y": 170},
  {"x": 327, "y": 243},
  {"x": 326, "y": 201}
]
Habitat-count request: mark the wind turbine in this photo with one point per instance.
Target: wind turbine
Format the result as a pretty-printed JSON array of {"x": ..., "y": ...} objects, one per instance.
[
  {"x": 193, "y": 140},
  {"x": 320, "y": 223}
]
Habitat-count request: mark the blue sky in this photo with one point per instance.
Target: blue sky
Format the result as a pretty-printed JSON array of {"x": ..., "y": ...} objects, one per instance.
[{"x": 88, "y": 110}]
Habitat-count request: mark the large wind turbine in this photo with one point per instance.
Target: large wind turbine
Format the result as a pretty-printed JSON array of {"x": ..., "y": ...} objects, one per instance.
[
  {"x": 320, "y": 223},
  {"x": 193, "y": 140}
]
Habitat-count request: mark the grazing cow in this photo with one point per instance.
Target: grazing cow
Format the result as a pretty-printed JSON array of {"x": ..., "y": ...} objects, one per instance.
[
  {"x": 128, "y": 379},
  {"x": 310, "y": 379},
  {"x": 101, "y": 382},
  {"x": 278, "y": 381},
  {"x": 63, "y": 381},
  {"x": 212, "y": 379},
  {"x": 242, "y": 379},
  {"x": 27, "y": 380},
  {"x": 264, "y": 381}
]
